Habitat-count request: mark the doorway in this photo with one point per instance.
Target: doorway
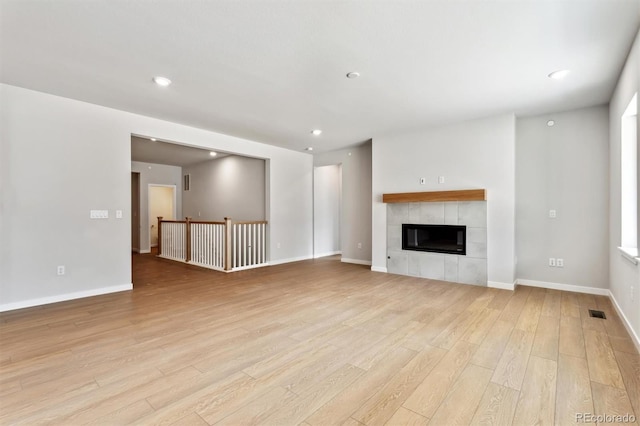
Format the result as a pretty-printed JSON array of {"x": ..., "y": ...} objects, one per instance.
[
  {"x": 135, "y": 212},
  {"x": 327, "y": 190},
  {"x": 162, "y": 203}
]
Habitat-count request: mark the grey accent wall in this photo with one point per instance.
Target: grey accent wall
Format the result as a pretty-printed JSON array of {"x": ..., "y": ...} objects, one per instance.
[
  {"x": 470, "y": 155},
  {"x": 624, "y": 276},
  {"x": 563, "y": 168},
  {"x": 231, "y": 186},
  {"x": 158, "y": 174},
  {"x": 355, "y": 218}
]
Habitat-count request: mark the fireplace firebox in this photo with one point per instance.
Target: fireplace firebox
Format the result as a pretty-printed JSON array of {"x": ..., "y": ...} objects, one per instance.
[{"x": 450, "y": 239}]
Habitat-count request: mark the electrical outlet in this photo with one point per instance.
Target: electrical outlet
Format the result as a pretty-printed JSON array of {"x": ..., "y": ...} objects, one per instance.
[
  {"x": 552, "y": 261},
  {"x": 61, "y": 270},
  {"x": 359, "y": 245},
  {"x": 440, "y": 179},
  {"x": 560, "y": 263},
  {"x": 118, "y": 214},
  {"x": 553, "y": 214}
]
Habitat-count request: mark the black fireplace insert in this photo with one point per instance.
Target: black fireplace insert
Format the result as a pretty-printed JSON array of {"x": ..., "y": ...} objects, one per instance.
[{"x": 450, "y": 239}]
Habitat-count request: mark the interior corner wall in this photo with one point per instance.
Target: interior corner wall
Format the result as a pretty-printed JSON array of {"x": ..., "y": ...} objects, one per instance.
[
  {"x": 83, "y": 162},
  {"x": 624, "y": 276},
  {"x": 326, "y": 210},
  {"x": 158, "y": 174},
  {"x": 355, "y": 217},
  {"x": 231, "y": 186},
  {"x": 563, "y": 168},
  {"x": 470, "y": 155}
]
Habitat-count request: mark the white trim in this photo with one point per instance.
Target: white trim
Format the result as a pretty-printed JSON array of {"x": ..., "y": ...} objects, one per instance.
[
  {"x": 329, "y": 253},
  {"x": 502, "y": 286},
  {"x": 291, "y": 259},
  {"x": 356, "y": 261},
  {"x": 379, "y": 269},
  {"x": 64, "y": 297},
  {"x": 565, "y": 287},
  {"x": 631, "y": 254},
  {"x": 144, "y": 251},
  {"x": 625, "y": 321}
]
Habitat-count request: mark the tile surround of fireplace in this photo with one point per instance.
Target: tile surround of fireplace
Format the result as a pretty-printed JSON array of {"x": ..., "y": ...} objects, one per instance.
[{"x": 469, "y": 269}]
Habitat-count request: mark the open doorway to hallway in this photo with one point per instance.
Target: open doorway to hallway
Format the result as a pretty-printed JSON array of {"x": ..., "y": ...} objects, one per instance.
[
  {"x": 135, "y": 212},
  {"x": 327, "y": 200},
  {"x": 162, "y": 203}
]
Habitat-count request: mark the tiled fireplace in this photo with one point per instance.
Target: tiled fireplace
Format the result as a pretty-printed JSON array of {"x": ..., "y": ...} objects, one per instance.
[{"x": 470, "y": 268}]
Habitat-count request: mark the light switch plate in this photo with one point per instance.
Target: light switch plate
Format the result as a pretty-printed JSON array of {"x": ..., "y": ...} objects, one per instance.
[
  {"x": 99, "y": 214},
  {"x": 118, "y": 214}
]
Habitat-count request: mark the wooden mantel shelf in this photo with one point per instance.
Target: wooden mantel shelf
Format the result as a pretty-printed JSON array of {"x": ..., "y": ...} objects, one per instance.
[{"x": 420, "y": 197}]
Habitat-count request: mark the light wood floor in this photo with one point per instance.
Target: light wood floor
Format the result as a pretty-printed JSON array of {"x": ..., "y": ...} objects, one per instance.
[{"x": 314, "y": 343}]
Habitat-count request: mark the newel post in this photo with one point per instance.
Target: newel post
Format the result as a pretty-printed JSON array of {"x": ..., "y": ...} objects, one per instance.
[
  {"x": 188, "y": 239},
  {"x": 227, "y": 244},
  {"x": 159, "y": 235}
]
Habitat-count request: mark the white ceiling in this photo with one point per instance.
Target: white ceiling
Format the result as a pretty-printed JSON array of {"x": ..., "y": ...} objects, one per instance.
[
  {"x": 157, "y": 152},
  {"x": 272, "y": 71}
]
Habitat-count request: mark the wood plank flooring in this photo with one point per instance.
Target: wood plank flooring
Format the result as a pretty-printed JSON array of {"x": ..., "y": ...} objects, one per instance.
[{"x": 314, "y": 343}]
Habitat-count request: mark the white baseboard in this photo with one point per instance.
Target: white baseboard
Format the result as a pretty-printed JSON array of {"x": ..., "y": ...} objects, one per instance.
[
  {"x": 291, "y": 259},
  {"x": 64, "y": 297},
  {"x": 329, "y": 253},
  {"x": 379, "y": 269},
  {"x": 502, "y": 286},
  {"x": 144, "y": 251},
  {"x": 565, "y": 287},
  {"x": 625, "y": 321},
  {"x": 356, "y": 261}
]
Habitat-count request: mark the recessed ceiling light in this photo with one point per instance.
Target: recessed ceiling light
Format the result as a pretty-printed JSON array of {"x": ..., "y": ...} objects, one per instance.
[
  {"x": 309, "y": 148},
  {"x": 353, "y": 74},
  {"x": 560, "y": 74},
  {"x": 316, "y": 132},
  {"x": 161, "y": 81},
  {"x": 551, "y": 123},
  {"x": 153, "y": 139},
  {"x": 213, "y": 154}
]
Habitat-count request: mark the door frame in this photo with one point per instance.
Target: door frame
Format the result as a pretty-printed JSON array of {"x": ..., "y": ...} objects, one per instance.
[{"x": 155, "y": 220}]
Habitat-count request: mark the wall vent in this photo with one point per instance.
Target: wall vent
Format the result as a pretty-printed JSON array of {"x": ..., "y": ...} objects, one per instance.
[
  {"x": 186, "y": 183},
  {"x": 597, "y": 314}
]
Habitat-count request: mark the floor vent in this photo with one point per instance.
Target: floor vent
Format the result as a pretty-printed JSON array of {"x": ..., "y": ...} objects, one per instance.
[{"x": 597, "y": 314}]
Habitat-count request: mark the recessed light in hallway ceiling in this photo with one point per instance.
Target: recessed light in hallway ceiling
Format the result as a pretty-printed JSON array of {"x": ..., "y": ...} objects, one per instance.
[
  {"x": 316, "y": 132},
  {"x": 559, "y": 75},
  {"x": 161, "y": 81}
]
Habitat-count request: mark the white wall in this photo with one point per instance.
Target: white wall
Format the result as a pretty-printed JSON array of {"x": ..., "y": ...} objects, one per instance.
[
  {"x": 326, "y": 210},
  {"x": 61, "y": 158},
  {"x": 355, "y": 218},
  {"x": 473, "y": 154},
  {"x": 564, "y": 168},
  {"x": 623, "y": 275},
  {"x": 158, "y": 174},
  {"x": 231, "y": 186}
]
